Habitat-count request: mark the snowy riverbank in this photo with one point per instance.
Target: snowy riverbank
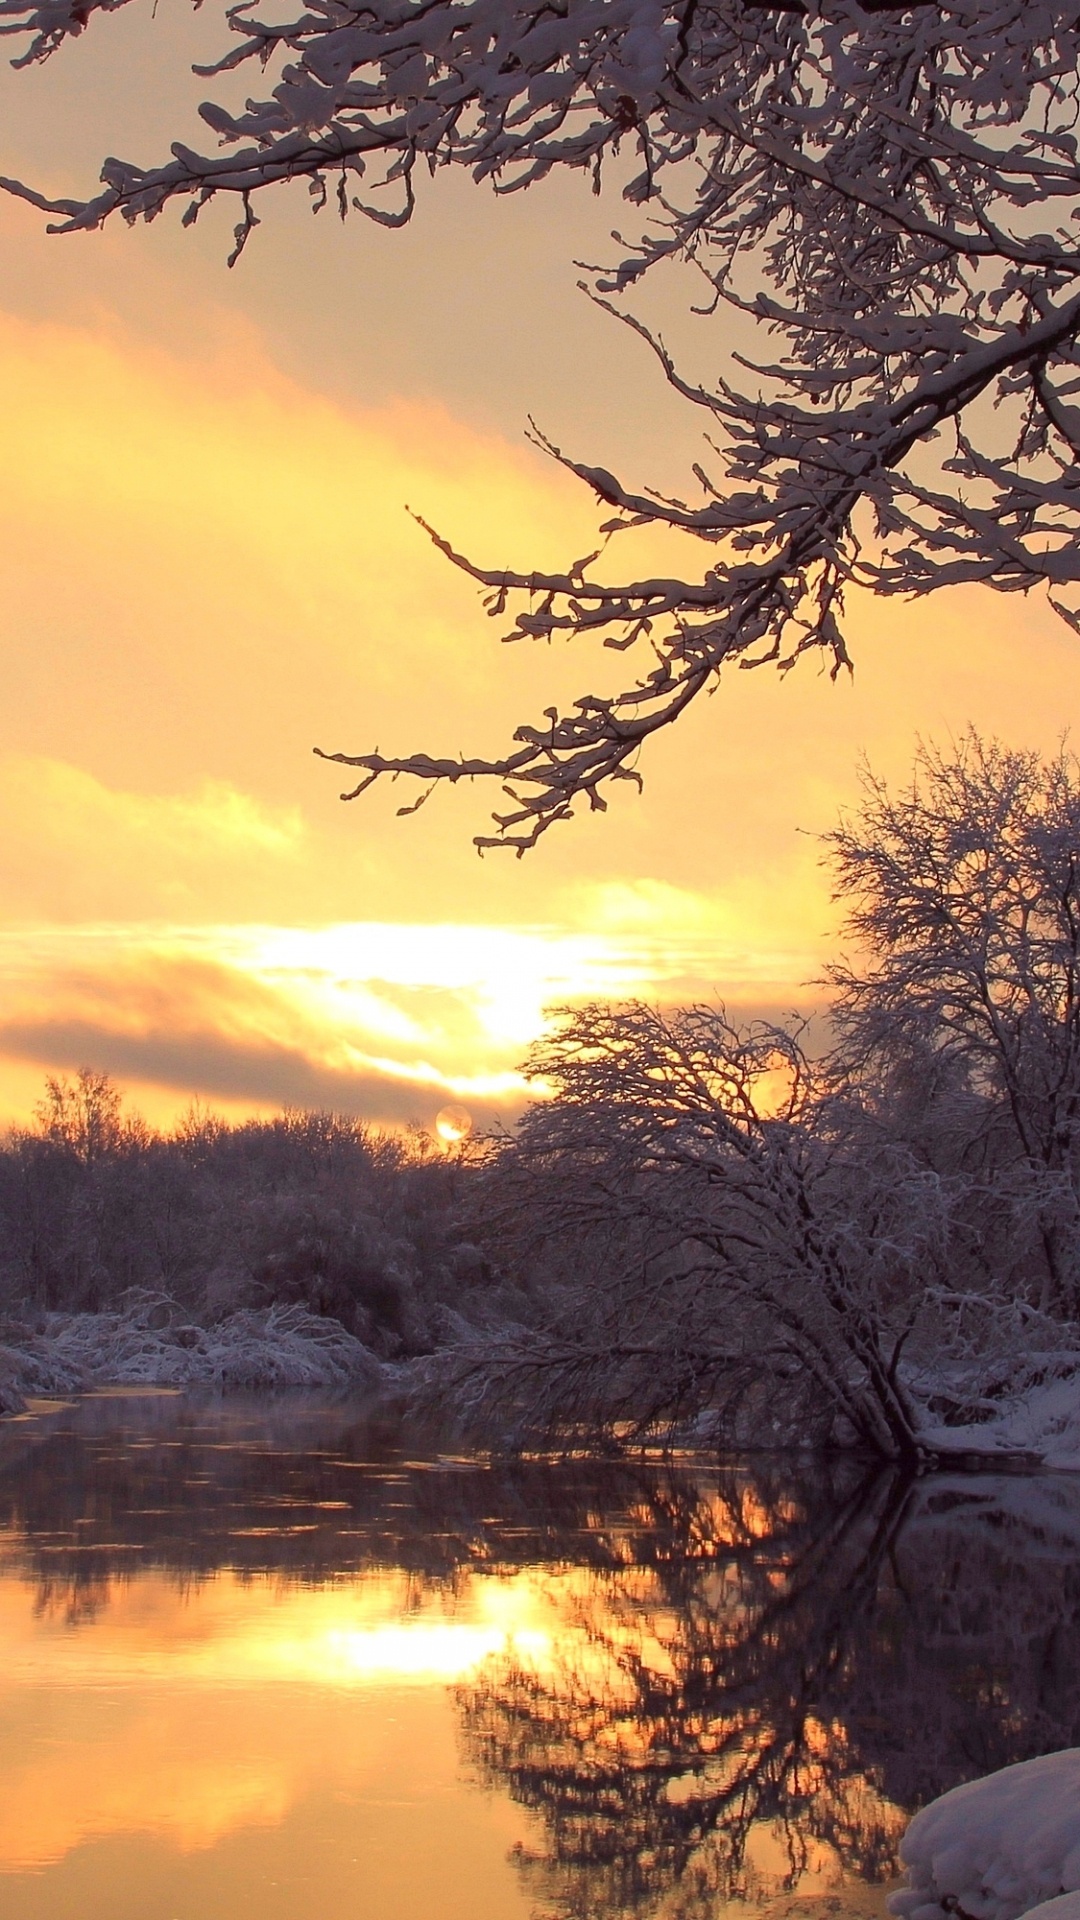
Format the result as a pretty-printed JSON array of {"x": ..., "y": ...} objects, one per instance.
[
  {"x": 1042, "y": 1422},
  {"x": 153, "y": 1343}
]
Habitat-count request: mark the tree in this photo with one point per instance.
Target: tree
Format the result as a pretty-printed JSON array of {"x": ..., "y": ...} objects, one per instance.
[
  {"x": 889, "y": 191},
  {"x": 869, "y": 1246},
  {"x": 964, "y": 897},
  {"x": 85, "y": 1116},
  {"x": 748, "y": 1243}
]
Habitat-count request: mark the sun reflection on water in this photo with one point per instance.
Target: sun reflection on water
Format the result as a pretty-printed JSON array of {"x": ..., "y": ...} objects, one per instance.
[{"x": 187, "y": 1713}]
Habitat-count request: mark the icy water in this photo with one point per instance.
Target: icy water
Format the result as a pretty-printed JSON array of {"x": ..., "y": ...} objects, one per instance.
[{"x": 261, "y": 1661}]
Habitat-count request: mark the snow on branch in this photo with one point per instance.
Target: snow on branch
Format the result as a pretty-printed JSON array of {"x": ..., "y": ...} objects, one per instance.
[{"x": 886, "y": 194}]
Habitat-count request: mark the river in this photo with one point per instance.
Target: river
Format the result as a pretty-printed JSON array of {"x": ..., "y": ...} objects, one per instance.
[{"x": 261, "y": 1659}]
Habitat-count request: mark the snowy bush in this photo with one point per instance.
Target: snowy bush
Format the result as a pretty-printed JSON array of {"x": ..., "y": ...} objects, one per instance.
[
  {"x": 996, "y": 1848},
  {"x": 153, "y": 1343}
]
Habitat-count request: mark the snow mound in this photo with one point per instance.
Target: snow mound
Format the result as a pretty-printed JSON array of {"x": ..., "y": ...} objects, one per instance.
[
  {"x": 1043, "y": 1420},
  {"x": 1065, "y": 1907},
  {"x": 1048, "y": 1420},
  {"x": 151, "y": 1343},
  {"x": 995, "y": 1848}
]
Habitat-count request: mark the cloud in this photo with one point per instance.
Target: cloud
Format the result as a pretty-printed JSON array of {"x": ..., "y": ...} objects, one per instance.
[
  {"x": 258, "y": 1073},
  {"x": 387, "y": 1021},
  {"x": 73, "y": 847},
  {"x": 163, "y": 1010},
  {"x": 195, "y": 1025},
  {"x": 207, "y": 569}
]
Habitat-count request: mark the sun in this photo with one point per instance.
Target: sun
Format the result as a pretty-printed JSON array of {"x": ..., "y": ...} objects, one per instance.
[{"x": 453, "y": 1125}]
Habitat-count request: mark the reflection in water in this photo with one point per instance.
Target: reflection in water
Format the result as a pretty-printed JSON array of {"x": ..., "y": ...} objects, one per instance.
[{"x": 260, "y": 1660}]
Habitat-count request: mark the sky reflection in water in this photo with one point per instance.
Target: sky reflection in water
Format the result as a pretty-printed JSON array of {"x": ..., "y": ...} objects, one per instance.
[{"x": 257, "y": 1661}]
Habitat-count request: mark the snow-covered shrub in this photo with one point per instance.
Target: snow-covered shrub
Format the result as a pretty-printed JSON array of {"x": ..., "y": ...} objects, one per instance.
[
  {"x": 151, "y": 1342},
  {"x": 995, "y": 1848}
]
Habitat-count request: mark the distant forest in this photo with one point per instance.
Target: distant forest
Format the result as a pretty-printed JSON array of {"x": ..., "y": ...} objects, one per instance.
[{"x": 312, "y": 1210}]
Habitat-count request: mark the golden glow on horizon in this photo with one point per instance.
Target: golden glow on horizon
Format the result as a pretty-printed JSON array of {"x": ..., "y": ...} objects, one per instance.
[
  {"x": 186, "y": 903},
  {"x": 415, "y": 1017}
]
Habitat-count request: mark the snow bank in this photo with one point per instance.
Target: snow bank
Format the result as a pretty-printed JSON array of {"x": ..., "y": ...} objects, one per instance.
[
  {"x": 1065, "y": 1907},
  {"x": 1048, "y": 1419},
  {"x": 995, "y": 1848},
  {"x": 1044, "y": 1420},
  {"x": 152, "y": 1343},
  {"x": 24, "y": 1374}
]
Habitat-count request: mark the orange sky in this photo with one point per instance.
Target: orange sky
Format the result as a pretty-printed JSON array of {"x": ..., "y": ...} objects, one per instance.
[{"x": 207, "y": 569}]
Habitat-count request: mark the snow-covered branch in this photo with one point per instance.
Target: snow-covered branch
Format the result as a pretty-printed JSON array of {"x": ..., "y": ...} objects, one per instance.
[{"x": 887, "y": 194}]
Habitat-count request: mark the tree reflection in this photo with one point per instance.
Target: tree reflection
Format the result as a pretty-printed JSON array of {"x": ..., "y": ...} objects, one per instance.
[
  {"x": 781, "y": 1676},
  {"x": 694, "y": 1707},
  {"x": 753, "y": 1669}
]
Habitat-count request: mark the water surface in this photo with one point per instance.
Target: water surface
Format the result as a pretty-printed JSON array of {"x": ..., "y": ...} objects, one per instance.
[{"x": 261, "y": 1660}]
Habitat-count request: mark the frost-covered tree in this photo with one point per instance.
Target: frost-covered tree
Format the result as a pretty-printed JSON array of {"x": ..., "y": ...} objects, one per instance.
[
  {"x": 724, "y": 1237},
  {"x": 884, "y": 197},
  {"x": 85, "y": 1116},
  {"x": 963, "y": 891},
  {"x": 872, "y": 1245}
]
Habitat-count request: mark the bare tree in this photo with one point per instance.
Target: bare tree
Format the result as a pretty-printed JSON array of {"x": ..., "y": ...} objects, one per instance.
[
  {"x": 746, "y": 1241},
  {"x": 964, "y": 895},
  {"x": 888, "y": 190},
  {"x": 86, "y": 1116}
]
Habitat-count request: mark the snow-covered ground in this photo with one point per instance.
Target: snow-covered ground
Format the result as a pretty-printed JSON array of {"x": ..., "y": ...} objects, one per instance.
[
  {"x": 1044, "y": 1420},
  {"x": 153, "y": 1343},
  {"x": 998, "y": 1847}
]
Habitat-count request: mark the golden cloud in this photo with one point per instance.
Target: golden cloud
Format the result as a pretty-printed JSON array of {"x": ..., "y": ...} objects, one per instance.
[{"x": 385, "y": 1020}]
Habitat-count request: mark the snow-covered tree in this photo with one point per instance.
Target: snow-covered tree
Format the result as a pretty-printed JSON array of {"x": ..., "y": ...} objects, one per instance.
[
  {"x": 885, "y": 195},
  {"x": 723, "y": 1234},
  {"x": 877, "y": 1245},
  {"x": 964, "y": 898}
]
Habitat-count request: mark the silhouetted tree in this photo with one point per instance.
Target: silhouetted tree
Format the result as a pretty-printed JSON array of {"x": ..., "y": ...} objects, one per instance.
[{"x": 85, "y": 1116}]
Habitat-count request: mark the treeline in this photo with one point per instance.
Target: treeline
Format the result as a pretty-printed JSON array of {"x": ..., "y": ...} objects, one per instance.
[{"x": 312, "y": 1210}]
